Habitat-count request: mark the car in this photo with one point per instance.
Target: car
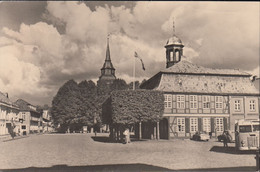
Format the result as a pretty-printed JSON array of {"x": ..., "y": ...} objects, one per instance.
[
  {"x": 229, "y": 138},
  {"x": 201, "y": 136}
]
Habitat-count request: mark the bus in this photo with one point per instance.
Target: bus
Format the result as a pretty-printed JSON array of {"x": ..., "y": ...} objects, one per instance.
[{"x": 247, "y": 134}]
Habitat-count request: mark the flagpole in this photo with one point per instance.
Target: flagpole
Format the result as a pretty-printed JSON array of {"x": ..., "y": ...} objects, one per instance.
[{"x": 134, "y": 75}]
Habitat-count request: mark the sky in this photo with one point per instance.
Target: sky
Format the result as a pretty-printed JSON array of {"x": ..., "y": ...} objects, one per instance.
[{"x": 44, "y": 44}]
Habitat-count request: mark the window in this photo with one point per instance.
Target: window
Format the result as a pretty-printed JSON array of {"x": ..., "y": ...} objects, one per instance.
[
  {"x": 180, "y": 101},
  {"x": 237, "y": 105},
  {"x": 256, "y": 128},
  {"x": 206, "y": 124},
  {"x": 193, "y": 124},
  {"x": 177, "y": 55},
  {"x": 193, "y": 102},
  {"x": 245, "y": 128},
  {"x": 168, "y": 101},
  {"x": 206, "y": 102},
  {"x": 171, "y": 56},
  {"x": 219, "y": 124},
  {"x": 219, "y": 102},
  {"x": 252, "y": 105},
  {"x": 181, "y": 124}
]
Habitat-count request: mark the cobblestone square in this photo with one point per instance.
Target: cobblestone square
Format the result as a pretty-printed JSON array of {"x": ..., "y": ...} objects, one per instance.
[{"x": 83, "y": 152}]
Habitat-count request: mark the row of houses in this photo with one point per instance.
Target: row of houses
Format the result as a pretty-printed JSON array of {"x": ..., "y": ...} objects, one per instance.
[{"x": 22, "y": 117}]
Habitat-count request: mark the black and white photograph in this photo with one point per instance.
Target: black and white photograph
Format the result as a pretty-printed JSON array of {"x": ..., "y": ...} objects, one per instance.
[{"x": 129, "y": 86}]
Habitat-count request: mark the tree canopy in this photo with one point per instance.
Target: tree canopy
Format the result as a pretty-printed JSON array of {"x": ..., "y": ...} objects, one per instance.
[
  {"x": 80, "y": 104},
  {"x": 128, "y": 106},
  {"x": 87, "y": 107},
  {"x": 65, "y": 104}
]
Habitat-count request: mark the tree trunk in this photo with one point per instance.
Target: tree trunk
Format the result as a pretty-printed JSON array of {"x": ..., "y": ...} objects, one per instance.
[
  {"x": 121, "y": 133},
  {"x": 158, "y": 133},
  {"x": 154, "y": 132},
  {"x": 111, "y": 135},
  {"x": 140, "y": 130}
]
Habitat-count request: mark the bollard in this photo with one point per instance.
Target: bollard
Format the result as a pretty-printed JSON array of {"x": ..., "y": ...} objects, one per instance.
[{"x": 257, "y": 158}]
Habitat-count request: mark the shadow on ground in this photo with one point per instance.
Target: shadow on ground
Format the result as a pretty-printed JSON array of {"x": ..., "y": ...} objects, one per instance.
[
  {"x": 121, "y": 167},
  {"x": 101, "y": 139},
  {"x": 106, "y": 139},
  {"x": 15, "y": 138},
  {"x": 231, "y": 150}
]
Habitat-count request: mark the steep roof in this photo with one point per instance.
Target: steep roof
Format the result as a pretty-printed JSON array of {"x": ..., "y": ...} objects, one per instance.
[
  {"x": 108, "y": 63},
  {"x": 5, "y": 99},
  {"x": 185, "y": 77},
  {"x": 206, "y": 84},
  {"x": 186, "y": 67},
  {"x": 24, "y": 105}
]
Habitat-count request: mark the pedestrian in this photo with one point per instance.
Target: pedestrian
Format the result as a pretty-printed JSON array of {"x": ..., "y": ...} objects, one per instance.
[
  {"x": 210, "y": 135},
  {"x": 127, "y": 136},
  {"x": 225, "y": 139}
]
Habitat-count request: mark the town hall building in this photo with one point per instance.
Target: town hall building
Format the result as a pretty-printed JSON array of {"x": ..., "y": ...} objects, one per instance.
[{"x": 199, "y": 98}]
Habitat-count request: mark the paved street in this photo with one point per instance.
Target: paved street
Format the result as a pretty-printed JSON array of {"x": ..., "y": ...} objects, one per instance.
[{"x": 60, "y": 152}]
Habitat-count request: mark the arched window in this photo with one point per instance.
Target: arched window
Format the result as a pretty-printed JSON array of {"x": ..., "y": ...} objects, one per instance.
[
  {"x": 177, "y": 55},
  {"x": 171, "y": 56}
]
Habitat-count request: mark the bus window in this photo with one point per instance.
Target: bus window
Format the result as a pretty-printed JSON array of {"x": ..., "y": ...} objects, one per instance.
[
  {"x": 245, "y": 128},
  {"x": 256, "y": 127}
]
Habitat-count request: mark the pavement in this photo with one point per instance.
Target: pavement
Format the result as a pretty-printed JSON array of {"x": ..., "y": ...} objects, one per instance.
[{"x": 85, "y": 152}]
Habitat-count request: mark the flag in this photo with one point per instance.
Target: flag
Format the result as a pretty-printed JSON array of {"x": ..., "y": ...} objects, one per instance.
[{"x": 136, "y": 55}]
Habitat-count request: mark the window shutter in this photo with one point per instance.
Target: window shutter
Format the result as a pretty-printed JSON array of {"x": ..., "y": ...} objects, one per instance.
[
  {"x": 225, "y": 123},
  {"x": 212, "y": 124},
  {"x": 200, "y": 124},
  {"x": 187, "y": 125}
]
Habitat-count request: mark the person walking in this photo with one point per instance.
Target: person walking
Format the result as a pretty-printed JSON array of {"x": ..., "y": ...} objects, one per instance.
[
  {"x": 225, "y": 139},
  {"x": 127, "y": 136}
]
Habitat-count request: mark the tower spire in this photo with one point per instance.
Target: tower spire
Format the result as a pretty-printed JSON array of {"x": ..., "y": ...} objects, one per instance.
[
  {"x": 108, "y": 71},
  {"x": 108, "y": 51},
  {"x": 107, "y": 76}
]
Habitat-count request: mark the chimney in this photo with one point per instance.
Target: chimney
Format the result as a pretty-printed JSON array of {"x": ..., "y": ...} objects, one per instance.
[{"x": 6, "y": 94}]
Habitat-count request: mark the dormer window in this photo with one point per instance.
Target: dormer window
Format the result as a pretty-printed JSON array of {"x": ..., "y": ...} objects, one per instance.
[{"x": 180, "y": 82}]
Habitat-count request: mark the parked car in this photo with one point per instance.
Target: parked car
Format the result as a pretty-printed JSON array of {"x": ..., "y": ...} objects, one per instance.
[
  {"x": 229, "y": 138},
  {"x": 201, "y": 136}
]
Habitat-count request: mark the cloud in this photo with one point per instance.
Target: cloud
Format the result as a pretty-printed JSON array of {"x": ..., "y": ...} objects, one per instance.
[
  {"x": 81, "y": 23},
  {"x": 18, "y": 77},
  {"x": 69, "y": 42}
]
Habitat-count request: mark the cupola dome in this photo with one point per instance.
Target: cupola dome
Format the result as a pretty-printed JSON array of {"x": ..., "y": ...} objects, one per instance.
[{"x": 174, "y": 40}]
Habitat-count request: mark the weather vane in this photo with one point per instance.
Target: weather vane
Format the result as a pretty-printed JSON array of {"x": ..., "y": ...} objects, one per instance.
[
  {"x": 108, "y": 35},
  {"x": 173, "y": 26}
]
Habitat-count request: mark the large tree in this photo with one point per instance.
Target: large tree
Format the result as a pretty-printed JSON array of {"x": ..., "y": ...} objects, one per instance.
[
  {"x": 76, "y": 105},
  {"x": 65, "y": 105},
  {"x": 88, "y": 102}
]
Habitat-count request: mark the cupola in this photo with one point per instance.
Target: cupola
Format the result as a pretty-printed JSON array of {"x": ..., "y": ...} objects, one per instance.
[{"x": 174, "y": 49}]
